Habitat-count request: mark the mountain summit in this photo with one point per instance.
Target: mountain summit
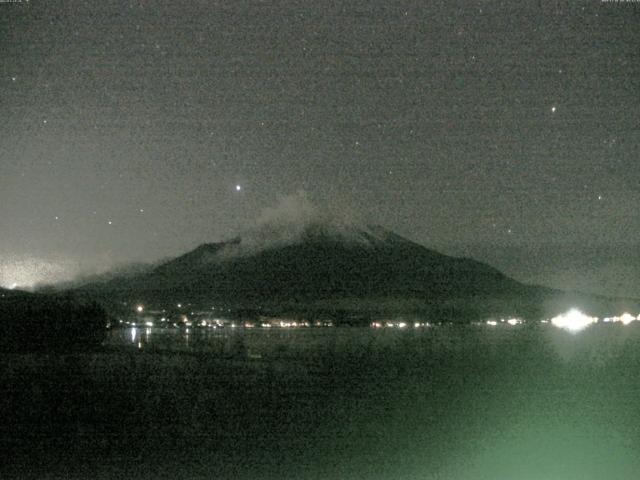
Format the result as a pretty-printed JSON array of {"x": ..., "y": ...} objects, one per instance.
[{"x": 326, "y": 261}]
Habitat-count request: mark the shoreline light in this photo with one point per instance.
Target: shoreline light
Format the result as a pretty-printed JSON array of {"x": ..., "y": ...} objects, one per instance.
[
  {"x": 573, "y": 320},
  {"x": 626, "y": 318}
]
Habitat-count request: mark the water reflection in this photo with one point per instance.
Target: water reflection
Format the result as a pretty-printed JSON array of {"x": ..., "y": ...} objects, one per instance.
[
  {"x": 271, "y": 342},
  {"x": 172, "y": 339},
  {"x": 478, "y": 402}
]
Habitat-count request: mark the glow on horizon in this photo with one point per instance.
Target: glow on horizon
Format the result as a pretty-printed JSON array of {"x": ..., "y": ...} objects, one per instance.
[{"x": 27, "y": 272}]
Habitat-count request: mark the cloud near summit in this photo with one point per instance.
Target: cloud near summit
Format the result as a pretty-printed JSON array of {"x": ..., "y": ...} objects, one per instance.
[
  {"x": 293, "y": 209},
  {"x": 286, "y": 222}
]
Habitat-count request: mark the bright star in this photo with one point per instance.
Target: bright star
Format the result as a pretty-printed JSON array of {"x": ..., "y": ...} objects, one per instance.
[
  {"x": 553, "y": 109},
  {"x": 238, "y": 188}
]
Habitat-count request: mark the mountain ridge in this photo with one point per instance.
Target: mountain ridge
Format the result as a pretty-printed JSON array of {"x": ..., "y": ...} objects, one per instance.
[
  {"x": 328, "y": 268},
  {"x": 318, "y": 263}
]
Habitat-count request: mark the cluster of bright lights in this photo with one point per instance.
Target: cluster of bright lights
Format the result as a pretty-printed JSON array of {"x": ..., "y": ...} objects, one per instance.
[
  {"x": 291, "y": 324},
  {"x": 280, "y": 324},
  {"x": 277, "y": 323},
  {"x": 573, "y": 320},
  {"x": 288, "y": 323},
  {"x": 625, "y": 319},
  {"x": 215, "y": 323},
  {"x": 398, "y": 324},
  {"x": 509, "y": 321},
  {"x": 210, "y": 323}
]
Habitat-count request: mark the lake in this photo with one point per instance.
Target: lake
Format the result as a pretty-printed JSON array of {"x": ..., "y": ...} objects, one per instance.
[{"x": 531, "y": 402}]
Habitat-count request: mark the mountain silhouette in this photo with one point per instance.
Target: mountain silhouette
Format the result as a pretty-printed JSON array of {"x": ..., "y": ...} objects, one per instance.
[{"x": 318, "y": 264}]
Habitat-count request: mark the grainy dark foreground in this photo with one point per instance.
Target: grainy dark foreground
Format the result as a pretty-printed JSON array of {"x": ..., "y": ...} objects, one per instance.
[{"x": 445, "y": 403}]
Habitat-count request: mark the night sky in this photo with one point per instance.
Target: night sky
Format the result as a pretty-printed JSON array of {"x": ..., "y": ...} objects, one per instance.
[{"x": 508, "y": 131}]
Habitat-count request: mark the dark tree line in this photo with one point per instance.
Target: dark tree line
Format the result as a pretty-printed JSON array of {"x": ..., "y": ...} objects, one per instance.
[{"x": 49, "y": 323}]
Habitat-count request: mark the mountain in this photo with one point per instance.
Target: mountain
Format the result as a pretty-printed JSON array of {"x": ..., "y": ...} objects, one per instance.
[
  {"x": 318, "y": 265},
  {"x": 328, "y": 268}
]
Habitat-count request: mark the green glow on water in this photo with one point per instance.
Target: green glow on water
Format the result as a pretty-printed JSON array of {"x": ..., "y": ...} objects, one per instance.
[{"x": 449, "y": 403}]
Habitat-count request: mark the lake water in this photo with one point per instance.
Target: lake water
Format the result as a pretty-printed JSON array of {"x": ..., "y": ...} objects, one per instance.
[{"x": 477, "y": 402}]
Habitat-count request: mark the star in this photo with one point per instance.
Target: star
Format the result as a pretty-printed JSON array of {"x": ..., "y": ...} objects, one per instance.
[
  {"x": 553, "y": 109},
  {"x": 238, "y": 188},
  {"x": 110, "y": 222},
  {"x": 13, "y": 79},
  {"x": 599, "y": 197}
]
